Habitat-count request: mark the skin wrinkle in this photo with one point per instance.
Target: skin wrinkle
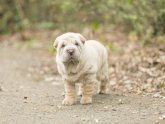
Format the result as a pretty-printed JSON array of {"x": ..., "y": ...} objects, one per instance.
[{"x": 88, "y": 65}]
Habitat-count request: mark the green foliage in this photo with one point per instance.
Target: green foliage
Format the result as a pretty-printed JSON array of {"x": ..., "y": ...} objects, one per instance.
[
  {"x": 142, "y": 16},
  {"x": 27, "y": 43},
  {"x": 113, "y": 49},
  {"x": 30, "y": 43},
  {"x": 45, "y": 25},
  {"x": 66, "y": 6},
  {"x": 143, "y": 42},
  {"x": 129, "y": 1},
  {"x": 52, "y": 50},
  {"x": 95, "y": 26},
  {"x": 162, "y": 86}
]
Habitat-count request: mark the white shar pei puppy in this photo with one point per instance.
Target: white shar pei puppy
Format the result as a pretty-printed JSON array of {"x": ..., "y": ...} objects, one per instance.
[{"x": 81, "y": 61}]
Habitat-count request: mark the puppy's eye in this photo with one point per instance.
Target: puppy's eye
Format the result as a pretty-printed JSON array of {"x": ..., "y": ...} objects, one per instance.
[
  {"x": 63, "y": 45},
  {"x": 76, "y": 44}
]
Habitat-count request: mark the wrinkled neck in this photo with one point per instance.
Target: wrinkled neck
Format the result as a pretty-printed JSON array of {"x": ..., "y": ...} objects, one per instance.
[{"x": 71, "y": 67}]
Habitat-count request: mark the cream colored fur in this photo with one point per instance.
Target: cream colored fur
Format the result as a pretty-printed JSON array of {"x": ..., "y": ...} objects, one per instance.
[{"x": 90, "y": 65}]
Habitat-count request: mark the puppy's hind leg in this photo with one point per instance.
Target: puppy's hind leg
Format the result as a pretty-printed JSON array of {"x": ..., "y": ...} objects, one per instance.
[
  {"x": 104, "y": 87},
  {"x": 104, "y": 77}
]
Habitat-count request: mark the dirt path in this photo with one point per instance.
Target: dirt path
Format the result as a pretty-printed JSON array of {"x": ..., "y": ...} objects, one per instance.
[{"x": 31, "y": 93}]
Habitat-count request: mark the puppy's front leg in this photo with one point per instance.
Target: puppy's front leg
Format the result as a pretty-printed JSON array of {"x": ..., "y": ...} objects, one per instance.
[
  {"x": 70, "y": 94},
  {"x": 87, "y": 93}
]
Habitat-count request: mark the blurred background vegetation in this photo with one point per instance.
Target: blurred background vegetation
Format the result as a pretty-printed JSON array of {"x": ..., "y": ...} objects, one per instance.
[{"x": 142, "y": 17}]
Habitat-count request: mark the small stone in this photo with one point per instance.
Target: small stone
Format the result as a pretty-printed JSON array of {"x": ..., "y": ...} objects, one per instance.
[
  {"x": 25, "y": 97},
  {"x": 75, "y": 116},
  {"x": 105, "y": 107},
  {"x": 1, "y": 88},
  {"x": 51, "y": 105},
  {"x": 84, "y": 119},
  {"x": 96, "y": 120},
  {"x": 47, "y": 79},
  {"x": 162, "y": 117},
  {"x": 134, "y": 112},
  {"x": 157, "y": 121},
  {"x": 114, "y": 109},
  {"x": 120, "y": 101},
  {"x": 156, "y": 95},
  {"x": 59, "y": 107}
]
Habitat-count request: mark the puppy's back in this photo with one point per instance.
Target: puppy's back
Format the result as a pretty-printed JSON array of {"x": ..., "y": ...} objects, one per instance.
[
  {"x": 95, "y": 53},
  {"x": 96, "y": 46}
]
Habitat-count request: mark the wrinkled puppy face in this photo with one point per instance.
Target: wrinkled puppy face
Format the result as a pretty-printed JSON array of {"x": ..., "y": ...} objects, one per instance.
[{"x": 69, "y": 47}]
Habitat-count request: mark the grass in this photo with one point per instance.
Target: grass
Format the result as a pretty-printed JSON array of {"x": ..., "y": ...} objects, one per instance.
[{"x": 113, "y": 49}]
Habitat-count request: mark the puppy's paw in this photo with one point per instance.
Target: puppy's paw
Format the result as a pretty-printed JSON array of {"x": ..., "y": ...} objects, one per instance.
[
  {"x": 68, "y": 101},
  {"x": 86, "y": 100},
  {"x": 103, "y": 91}
]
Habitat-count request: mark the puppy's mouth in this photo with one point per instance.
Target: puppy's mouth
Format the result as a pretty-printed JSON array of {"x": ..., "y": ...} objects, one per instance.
[{"x": 72, "y": 59}]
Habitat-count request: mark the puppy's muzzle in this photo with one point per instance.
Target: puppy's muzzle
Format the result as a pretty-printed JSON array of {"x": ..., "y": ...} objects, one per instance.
[{"x": 71, "y": 51}]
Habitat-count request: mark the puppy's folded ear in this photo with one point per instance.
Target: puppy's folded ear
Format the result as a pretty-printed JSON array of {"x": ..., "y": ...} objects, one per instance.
[
  {"x": 82, "y": 38},
  {"x": 55, "y": 43}
]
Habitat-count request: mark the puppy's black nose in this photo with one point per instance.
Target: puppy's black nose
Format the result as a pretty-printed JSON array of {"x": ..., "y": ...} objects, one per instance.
[{"x": 71, "y": 51}]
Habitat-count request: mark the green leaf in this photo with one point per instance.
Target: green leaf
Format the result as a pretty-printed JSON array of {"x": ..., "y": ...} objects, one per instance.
[
  {"x": 95, "y": 26},
  {"x": 113, "y": 49},
  {"x": 52, "y": 50},
  {"x": 30, "y": 43},
  {"x": 129, "y": 1},
  {"x": 143, "y": 42}
]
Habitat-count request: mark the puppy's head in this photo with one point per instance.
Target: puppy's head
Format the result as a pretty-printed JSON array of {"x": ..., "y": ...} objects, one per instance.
[{"x": 69, "y": 46}]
